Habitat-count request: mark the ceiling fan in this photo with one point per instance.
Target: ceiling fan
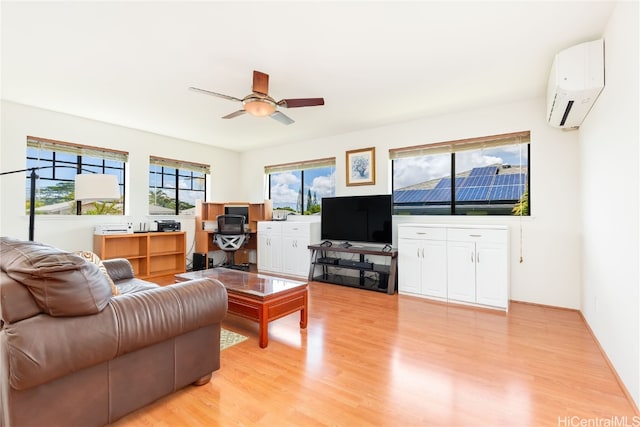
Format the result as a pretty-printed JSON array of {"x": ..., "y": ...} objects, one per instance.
[{"x": 260, "y": 104}]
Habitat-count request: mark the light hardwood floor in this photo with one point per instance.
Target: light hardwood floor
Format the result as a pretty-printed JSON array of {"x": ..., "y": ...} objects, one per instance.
[{"x": 370, "y": 359}]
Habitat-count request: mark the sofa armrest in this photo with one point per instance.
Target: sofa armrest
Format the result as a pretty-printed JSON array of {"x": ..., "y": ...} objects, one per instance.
[
  {"x": 148, "y": 317},
  {"x": 118, "y": 269}
]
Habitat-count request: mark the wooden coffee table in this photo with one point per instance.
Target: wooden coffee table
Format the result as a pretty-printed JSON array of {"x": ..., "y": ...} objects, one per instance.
[{"x": 258, "y": 297}]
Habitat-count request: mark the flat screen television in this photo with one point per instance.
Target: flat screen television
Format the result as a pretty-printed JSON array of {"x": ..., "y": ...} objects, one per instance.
[{"x": 365, "y": 219}]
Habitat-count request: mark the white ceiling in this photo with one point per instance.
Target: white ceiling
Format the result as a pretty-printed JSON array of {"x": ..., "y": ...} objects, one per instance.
[{"x": 375, "y": 63}]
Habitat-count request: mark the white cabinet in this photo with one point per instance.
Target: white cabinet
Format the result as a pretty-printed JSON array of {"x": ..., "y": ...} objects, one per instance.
[
  {"x": 422, "y": 256},
  {"x": 296, "y": 238},
  {"x": 461, "y": 271},
  {"x": 283, "y": 246},
  {"x": 478, "y": 266},
  {"x": 269, "y": 246},
  {"x": 467, "y": 264}
]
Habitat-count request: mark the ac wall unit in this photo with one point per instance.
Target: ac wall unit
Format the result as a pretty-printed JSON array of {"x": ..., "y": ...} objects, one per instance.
[{"x": 575, "y": 81}]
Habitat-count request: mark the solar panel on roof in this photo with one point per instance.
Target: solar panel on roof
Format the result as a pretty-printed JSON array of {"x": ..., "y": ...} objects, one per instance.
[
  {"x": 485, "y": 170},
  {"x": 439, "y": 195},
  {"x": 506, "y": 192},
  {"x": 482, "y": 185},
  {"x": 443, "y": 183},
  {"x": 472, "y": 194},
  {"x": 510, "y": 179},
  {"x": 477, "y": 181}
]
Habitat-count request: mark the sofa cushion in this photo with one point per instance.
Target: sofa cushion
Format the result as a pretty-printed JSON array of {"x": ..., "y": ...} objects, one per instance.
[
  {"x": 91, "y": 257},
  {"x": 62, "y": 283}
]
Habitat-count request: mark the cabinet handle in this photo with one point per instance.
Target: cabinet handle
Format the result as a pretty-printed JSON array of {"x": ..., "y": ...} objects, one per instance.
[
  {"x": 420, "y": 232},
  {"x": 418, "y": 252},
  {"x": 478, "y": 257},
  {"x": 422, "y": 252},
  {"x": 471, "y": 256},
  {"x": 475, "y": 235}
]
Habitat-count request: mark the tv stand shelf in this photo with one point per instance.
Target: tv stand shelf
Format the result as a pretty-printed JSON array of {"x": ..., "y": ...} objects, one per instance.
[{"x": 331, "y": 266}]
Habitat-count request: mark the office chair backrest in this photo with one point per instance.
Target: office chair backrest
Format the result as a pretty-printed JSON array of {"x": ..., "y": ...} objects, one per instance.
[{"x": 230, "y": 224}]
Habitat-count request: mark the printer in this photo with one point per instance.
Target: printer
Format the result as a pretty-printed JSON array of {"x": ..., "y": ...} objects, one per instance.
[{"x": 167, "y": 225}]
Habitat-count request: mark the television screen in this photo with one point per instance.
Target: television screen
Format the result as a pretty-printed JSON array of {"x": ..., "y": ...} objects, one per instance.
[{"x": 357, "y": 218}]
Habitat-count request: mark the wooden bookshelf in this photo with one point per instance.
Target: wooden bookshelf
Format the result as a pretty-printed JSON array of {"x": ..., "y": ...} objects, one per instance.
[{"x": 150, "y": 254}]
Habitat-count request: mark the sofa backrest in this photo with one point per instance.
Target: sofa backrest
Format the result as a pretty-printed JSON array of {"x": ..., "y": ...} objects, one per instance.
[{"x": 61, "y": 283}]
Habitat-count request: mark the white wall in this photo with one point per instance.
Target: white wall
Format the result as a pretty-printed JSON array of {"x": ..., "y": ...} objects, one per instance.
[
  {"x": 609, "y": 156},
  {"x": 76, "y": 233},
  {"x": 550, "y": 272}
]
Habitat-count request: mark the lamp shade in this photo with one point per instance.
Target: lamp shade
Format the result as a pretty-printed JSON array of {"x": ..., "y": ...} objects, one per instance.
[{"x": 97, "y": 187}]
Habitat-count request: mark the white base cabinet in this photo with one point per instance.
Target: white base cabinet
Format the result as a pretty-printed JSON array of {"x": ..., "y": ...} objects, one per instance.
[
  {"x": 269, "y": 246},
  {"x": 422, "y": 255},
  {"x": 283, "y": 246},
  {"x": 464, "y": 264}
]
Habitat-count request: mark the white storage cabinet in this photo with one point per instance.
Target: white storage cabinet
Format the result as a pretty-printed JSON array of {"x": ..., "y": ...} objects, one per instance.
[
  {"x": 422, "y": 256},
  {"x": 466, "y": 264},
  {"x": 269, "y": 246},
  {"x": 283, "y": 246},
  {"x": 477, "y": 261}
]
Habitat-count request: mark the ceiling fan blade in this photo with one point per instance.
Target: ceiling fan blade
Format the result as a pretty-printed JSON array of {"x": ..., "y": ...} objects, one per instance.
[
  {"x": 219, "y": 95},
  {"x": 234, "y": 114},
  {"x": 282, "y": 118},
  {"x": 301, "y": 102},
  {"x": 260, "y": 83}
]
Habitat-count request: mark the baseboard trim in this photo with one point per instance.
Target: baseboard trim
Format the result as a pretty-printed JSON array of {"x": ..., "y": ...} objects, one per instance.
[{"x": 606, "y": 358}]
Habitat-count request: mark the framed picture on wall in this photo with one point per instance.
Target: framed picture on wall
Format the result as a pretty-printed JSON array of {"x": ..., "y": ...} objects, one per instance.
[{"x": 361, "y": 166}]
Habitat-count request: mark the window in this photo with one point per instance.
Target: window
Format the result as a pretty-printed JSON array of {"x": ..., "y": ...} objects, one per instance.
[
  {"x": 58, "y": 163},
  {"x": 175, "y": 185},
  {"x": 299, "y": 187},
  {"x": 478, "y": 176}
]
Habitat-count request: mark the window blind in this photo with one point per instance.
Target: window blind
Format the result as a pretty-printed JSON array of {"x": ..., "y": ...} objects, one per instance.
[
  {"x": 180, "y": 164},
  {"x": 460, "y": 145},
  {"x": 77, "y": 149},
  {"x": 307, "y": 164}
]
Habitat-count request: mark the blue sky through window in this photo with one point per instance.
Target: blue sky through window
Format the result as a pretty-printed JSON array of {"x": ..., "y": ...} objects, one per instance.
[{"x": 285, "y": 186}]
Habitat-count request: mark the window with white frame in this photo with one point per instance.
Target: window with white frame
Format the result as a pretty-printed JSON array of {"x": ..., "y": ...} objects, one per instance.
[
  {"x": 300, "y": 186},
  {"x": 56, "y": 163},
  {"x": 175, "y": 185},
  {"x": 477, "y": 176}
]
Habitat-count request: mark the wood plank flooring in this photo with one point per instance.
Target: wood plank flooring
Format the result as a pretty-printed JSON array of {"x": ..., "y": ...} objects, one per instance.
[{"x": 370, "y": 359}]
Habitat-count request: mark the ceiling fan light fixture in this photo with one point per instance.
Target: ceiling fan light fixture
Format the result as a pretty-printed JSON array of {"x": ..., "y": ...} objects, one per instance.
[{"x": 259, "y": 107}]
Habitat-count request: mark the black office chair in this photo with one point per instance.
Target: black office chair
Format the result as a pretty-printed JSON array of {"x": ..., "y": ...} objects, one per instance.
[{"x": 230, "y": 237}]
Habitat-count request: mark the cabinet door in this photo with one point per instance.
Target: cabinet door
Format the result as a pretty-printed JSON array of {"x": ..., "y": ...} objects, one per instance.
[
  {"x": 295, "y": 255},
  {"x": 491, "y": 274},
  {"x": 409, "y": 266},
  {"x": 269, "y": 246},
  {"x": 461, "y": 271},
  {"x": 434, "y": 268},
  {"x": 264, "y": 252}
]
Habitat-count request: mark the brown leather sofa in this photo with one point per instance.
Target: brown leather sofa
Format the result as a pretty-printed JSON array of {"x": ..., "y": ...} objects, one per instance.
[{"x": 73, "y": 354}]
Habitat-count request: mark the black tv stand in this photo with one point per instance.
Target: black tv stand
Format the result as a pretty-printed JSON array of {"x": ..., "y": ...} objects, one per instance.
[{"x": 331, "y": 266}]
